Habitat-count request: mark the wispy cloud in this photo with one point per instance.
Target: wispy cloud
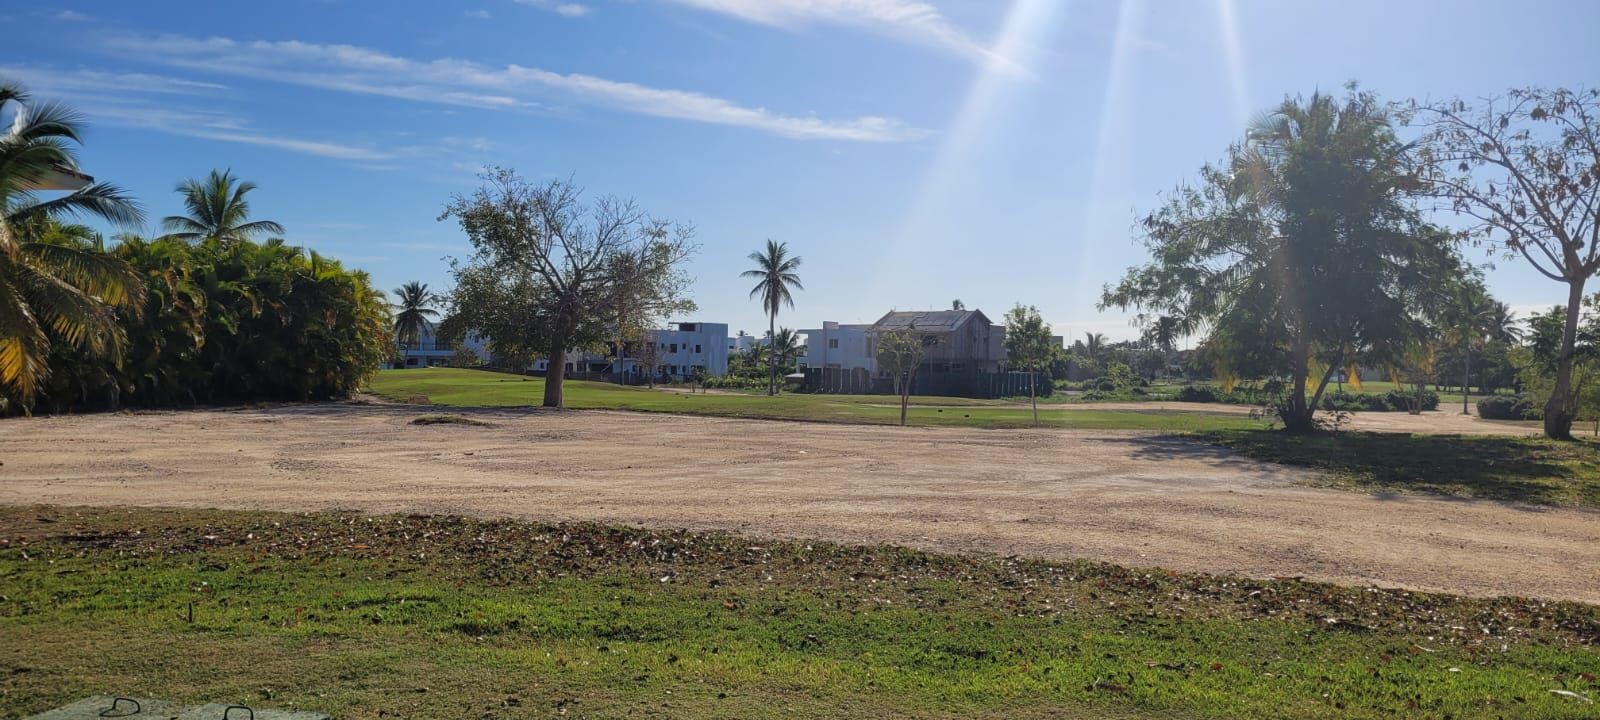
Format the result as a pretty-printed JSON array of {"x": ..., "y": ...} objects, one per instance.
[
  {"x": 909, "y": 20},
  {"x": 54, "y": 80},
  {"x": 74, "y": 16},
  {"x": 565, "y": 9},
  {"x": 125, "y": 100},
  {"x": 354, "y": 69},
  {"x": 477, "y": 14}
]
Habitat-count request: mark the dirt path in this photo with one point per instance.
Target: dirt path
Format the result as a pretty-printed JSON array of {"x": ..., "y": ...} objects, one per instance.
[{"x": 1127, "y": 498}]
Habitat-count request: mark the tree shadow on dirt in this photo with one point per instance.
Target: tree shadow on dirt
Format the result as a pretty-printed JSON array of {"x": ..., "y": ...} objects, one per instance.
[{"x": 1507, "y": 469}]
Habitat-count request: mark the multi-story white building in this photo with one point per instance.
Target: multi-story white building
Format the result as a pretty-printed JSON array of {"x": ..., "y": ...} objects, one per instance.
[
  {"x": 690, "y": 349},
  {"x": 427, "y": 351},
  {"x": 840, "y": 347}
]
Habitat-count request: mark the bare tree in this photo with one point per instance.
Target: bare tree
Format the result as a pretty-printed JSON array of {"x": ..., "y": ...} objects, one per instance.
[
  {"x": 900, "y": 353},
  {"x": 550, "y": 272},
  {"x": 1525, "y": 169}
]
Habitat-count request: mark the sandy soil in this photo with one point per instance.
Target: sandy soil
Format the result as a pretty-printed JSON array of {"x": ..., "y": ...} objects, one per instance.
[
  {"x": 1129, "y": 498},
  {"x": 1446, "y": 421}
]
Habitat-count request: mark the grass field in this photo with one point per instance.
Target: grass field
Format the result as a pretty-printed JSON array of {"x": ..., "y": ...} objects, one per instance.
[
  {"x": 476, "y": 388},
  {"x": 417, "y": 616},
  {"x": 1519, "y": 469}
]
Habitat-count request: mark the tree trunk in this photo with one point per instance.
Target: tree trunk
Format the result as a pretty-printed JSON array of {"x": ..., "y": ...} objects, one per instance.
[
  {"x": 905, "y": 396},
  {"x": 555, "y": 374},
  {"x": 1466, "y": 379},
  {"x": 1557, "y": 410},
  {"x": 1295, "y": 412},
  {"x": 1034, "y": 398},
  {"x": 772, "y": 355}
]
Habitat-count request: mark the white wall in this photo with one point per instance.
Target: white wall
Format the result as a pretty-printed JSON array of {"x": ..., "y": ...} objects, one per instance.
[{"x": 839, "y": 346}]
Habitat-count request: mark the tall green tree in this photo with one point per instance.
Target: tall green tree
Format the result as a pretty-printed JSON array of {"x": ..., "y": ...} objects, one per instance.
[
  {"x": 775, "y": 269},
  {"x": 216, "y": 210},
  {"x": 550, "y": 272},
  {"x": 1524, "y": 170},
  {"x": 1297, "y": 251},
  {"x": 413, "y": 312},
  {"x": 1029, "y": 346},
  {"x": 54, "y": 287}
]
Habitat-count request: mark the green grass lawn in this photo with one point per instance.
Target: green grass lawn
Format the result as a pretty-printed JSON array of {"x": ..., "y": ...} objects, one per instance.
[
  {"x": 431, "y": 617},
  {"x": 1519, "y": 469},
  {"x": 477, "y": 388}
]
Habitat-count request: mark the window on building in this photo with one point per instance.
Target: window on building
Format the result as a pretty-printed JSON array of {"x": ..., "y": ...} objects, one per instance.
[
  {"x": 833, "y": 343},
  {"x": 697, "y": 348},
  {"x": 672, "y": 348}
]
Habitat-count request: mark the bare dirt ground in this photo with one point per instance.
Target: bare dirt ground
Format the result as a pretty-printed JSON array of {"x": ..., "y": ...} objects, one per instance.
[
  {"x": 1129, "y": 498},
  {"x": 1448, "y": 421}
]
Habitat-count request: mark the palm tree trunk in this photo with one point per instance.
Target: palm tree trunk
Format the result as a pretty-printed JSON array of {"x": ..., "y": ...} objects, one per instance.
[
  {"x": 1466, "y": 380},
  {"x": 772, "y": 354}
]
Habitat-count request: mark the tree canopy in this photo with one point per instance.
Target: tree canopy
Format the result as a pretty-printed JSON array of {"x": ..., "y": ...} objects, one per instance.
[
  {"x": 550, "y": 272},
  {"x": 1299, "y": 253}
]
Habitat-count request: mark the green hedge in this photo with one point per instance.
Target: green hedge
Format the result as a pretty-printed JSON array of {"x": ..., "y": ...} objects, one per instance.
[{"x": 1507, "y": 407}]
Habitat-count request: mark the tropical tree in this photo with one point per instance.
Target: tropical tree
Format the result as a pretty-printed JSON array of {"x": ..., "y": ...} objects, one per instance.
[
  {"x": 1524, "y": 169},
  {"x": 1093, "y": 344},
  {"x": 787, "y": 348},
  {"x": 1469, "y": 319},
  {"x": 1029, "y": 346},
  {"x": 775, "y": 268},
  {"x": 1297, "y": 252},
  {"x": 412, "y": 314},
  {"x": 217, "y": 211},
  {"x": 54, "y": 287},
  {"x": 551, "y": 272},
  {"x": 1503, "y": 324}
]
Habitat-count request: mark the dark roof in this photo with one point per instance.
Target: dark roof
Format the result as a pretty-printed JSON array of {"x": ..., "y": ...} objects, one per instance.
[{"x": 929, "y": 320}]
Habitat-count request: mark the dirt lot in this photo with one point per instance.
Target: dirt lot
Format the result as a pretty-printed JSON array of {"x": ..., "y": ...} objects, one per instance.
[
  {"x": 1122, "y": 497},
  {"x": 1447, "y": 421}
]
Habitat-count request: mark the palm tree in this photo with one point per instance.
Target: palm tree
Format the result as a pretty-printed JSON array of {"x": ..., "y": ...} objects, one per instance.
[
  {"x": 54, "y": 283},
  {"x": 1092, "y": 343},
  {"x": 217, "y": 211},
  {"x": 1503, "y": 324},
  {"x": 786, "y": 346},
  {"x": 776, "y": 269},
  {"x": 413, "y": 313}
]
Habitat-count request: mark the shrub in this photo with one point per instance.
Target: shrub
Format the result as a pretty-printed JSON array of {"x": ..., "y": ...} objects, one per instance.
[
  {"x": 1507, "y": 407},
  {"x": 1191, "y": 393},
  {"x": 1402, "y": 399},
  {"x": 1105, "y": 385}
]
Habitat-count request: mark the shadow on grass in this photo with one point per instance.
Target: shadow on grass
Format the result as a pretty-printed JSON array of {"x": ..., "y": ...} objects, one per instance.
[{"x": 1508, "y": 469}]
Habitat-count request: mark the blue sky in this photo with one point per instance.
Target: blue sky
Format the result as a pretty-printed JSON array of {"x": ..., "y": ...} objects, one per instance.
[{"x": 913, "y": 152}]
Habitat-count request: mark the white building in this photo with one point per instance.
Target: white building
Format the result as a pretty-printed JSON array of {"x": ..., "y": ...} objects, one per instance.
[
  {"x": 427, "y": 351},
  {"x": 690, "y": 349},
  {"x": 740, "y": 343},
  {"x": 839, "y": 347}
]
